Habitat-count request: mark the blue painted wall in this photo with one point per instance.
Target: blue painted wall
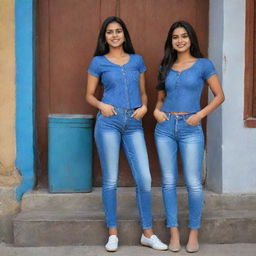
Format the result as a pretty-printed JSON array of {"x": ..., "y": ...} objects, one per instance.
[{"x": 25, "y": 93}]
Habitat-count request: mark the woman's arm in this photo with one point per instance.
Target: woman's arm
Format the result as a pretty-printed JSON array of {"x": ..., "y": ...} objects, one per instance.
[
  {"x": 92, "y": 83},
  {"x": 140, "y": 112},
  {"x": 159, "y": 115},
  {"x": 219, "y": 97}
]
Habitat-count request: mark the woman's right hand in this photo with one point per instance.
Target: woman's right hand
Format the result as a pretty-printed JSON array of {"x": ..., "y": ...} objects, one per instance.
[
  {"x": 160, "y": 116},
  {"x": 107, "y": 109}
]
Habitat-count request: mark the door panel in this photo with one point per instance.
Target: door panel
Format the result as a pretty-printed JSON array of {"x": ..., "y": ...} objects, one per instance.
[{"x": 67, "y": 32}]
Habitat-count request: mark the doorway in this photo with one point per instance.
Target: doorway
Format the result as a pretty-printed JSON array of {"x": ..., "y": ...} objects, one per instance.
[{"x": 67, "y": 32}]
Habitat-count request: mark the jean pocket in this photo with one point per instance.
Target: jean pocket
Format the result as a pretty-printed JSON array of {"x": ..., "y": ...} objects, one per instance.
[
  {"x": 100, "y": 116},
  {"x": 162, "y": 122},
  {"x": 185, "y": 120},
  {"x": 191, "y": 124},
  {"x": 110, "y": 116},
  {"x": 139, "y": 120}
]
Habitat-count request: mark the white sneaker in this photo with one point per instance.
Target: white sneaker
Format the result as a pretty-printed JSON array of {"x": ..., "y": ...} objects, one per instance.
[
  {"x": 112, "y": 244},
  {"x": 153, "y": 242}
]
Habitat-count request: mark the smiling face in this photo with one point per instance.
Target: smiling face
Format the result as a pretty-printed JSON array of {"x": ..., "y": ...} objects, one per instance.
[
  {"x": 180, "y": 40},
  {"x": 114, "y": 35}
]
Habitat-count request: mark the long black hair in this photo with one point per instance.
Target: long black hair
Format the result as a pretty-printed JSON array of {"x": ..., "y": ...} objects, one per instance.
[
  {"x": 102, "y": 46},
  {"x": 170, "y": 55}
]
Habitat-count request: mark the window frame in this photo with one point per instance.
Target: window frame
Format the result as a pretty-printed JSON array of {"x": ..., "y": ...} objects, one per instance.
[{"x": 250, "y": 64}]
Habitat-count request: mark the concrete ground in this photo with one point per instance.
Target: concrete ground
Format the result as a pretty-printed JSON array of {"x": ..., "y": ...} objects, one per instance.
[{"x": 205, "y": 250}]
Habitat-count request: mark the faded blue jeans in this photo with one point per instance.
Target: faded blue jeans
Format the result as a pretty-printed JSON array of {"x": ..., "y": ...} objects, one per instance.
[
  {"x": 110, "y": 133},
  {"x": 169, "y": 136}
]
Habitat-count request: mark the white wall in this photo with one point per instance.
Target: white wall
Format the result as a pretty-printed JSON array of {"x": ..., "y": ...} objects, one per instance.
[{"x": 237, "y": 146}]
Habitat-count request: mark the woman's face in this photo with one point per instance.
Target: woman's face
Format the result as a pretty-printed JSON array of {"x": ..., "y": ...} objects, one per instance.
[
  {"x": 114, "y": 35},
  {"x": 180, "y": 40}
]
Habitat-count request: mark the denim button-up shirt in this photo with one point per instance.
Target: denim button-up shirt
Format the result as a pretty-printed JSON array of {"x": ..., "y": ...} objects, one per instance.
[
  {"x": 183, "y": 89},
  {"x": 120, "y": 82}
]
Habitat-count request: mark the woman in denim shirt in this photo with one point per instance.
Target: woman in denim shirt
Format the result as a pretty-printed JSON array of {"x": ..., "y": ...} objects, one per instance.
[
  {"x": 124, "y": 103},
  {"x": 182, "y": 75}
]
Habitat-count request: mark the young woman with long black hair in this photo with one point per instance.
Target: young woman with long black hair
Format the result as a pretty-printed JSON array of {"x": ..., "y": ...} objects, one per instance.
[
  {"x": 182, "y": 76},
  {"x": 121, "y": 109}
]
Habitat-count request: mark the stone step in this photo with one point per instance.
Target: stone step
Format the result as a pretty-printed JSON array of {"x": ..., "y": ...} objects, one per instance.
[
  {"x": 42, "y": 200},
  {"x": 77, "y": 219},
  {"x": 75, "y": 227},
  {"x": 241, "y": 249}
]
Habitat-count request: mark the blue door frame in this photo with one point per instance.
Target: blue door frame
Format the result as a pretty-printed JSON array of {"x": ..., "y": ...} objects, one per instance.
[{"x": 25, "y": 14}]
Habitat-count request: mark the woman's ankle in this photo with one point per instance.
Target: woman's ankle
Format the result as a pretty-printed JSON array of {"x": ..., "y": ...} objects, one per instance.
[
  {"x": 148, "y": 232},
  {"x": 112, "y": 231},
  {"x": 174, "y": 236},
  {"x": 193, "y": 236}
]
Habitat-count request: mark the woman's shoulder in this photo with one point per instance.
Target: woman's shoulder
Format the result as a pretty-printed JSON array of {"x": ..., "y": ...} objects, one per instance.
[
  {"x": 97, "y": 58},
  {"x": 137, "y": 59},
  {"x": 136, "y": 56},
  {"x": 207, "y": 68},
  {"x": 205, "y": 61},
  {"x": 95, "y": 67},
  {"x": 96, "y": 61},
  {"x": 138, "y": 62}
]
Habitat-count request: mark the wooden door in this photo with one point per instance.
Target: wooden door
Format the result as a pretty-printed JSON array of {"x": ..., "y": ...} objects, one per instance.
[{"x": 67, "y": 32}]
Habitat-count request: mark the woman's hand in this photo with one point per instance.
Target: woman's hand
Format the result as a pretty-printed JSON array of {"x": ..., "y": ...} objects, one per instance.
[
  {"x": 194, "y": 119},
  {"x": 107, "y": 109},
  {"x": 140, "y": 112},
  {"x": 160, "y": 116}
]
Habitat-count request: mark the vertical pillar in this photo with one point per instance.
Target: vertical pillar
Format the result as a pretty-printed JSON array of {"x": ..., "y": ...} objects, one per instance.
[
  {"x": 25, "y": 93},
  {"x": 214, "y": 120}
]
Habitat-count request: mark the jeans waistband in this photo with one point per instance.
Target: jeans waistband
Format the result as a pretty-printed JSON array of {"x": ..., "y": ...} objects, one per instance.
[
  {"x": 124, "y": 110},
  {"x": 179, "y": 116}
]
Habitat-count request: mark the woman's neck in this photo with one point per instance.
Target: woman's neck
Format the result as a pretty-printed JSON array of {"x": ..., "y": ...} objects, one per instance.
[
  {"x": 116, "y": 52},
  {"x": 184, "y": 56}
]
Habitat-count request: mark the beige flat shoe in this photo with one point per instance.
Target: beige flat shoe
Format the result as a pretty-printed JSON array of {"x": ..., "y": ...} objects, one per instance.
[
  {"x": 174, "y": 248},
  {"x": 192, "y": 248}
]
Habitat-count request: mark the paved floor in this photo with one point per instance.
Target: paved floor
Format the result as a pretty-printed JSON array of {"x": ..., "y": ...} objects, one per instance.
[{"x": 206, "y": 250}]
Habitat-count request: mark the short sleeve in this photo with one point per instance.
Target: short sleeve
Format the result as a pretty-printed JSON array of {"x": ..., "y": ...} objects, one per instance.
[
  {"x": 208, "y": 69},
  {"x": 94, "y": 67},
  {"x": 142, "y": 67}
]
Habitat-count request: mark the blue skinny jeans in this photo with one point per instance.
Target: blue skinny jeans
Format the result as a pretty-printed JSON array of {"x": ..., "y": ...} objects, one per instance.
[
  {"x": 110, "y": 133},
  {"x": 169, "y": 136}
]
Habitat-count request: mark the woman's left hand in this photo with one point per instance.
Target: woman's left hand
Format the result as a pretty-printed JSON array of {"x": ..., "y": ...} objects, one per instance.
[
  {"x": 140, "y": 112},
  {"x": 194, "y": 119}
]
